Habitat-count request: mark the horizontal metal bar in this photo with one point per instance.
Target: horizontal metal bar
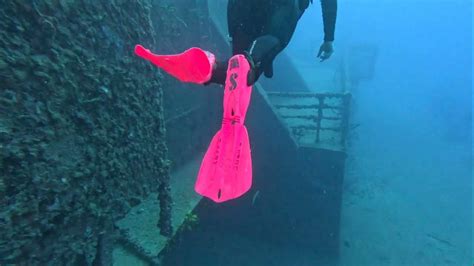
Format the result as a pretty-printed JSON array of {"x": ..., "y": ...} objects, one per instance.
[
  {"x": 308, "y": 94},
  {"x": 315, "y": 128},
  {"x": 332, "y": 118},
  {"x": 310, "y": 117},
  {"x": 308, "y": 106}
]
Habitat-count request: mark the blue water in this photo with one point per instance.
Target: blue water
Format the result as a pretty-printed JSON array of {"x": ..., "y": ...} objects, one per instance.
[{"x": 415, "y": 134}]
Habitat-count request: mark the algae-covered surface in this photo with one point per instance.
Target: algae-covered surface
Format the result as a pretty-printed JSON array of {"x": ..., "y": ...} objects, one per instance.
[{"x": 81, "y": 127}]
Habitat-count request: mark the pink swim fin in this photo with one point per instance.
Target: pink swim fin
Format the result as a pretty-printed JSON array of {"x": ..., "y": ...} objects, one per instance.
[
  {"x": 193, "y": 65},
  {"x": 226, "y": 170}
]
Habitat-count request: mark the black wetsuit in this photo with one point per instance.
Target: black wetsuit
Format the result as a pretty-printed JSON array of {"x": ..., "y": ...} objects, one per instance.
[{"x": 250, "y": 20}]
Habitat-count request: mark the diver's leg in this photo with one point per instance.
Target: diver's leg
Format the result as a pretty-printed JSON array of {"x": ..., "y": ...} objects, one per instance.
[
  {"x": 244, "y": 25},
  {"x": 260, "y": 54},
  {"x": 248, "y": 22},
  {"x": 282, "y": 24},
  {"x": 284, "y": 17},
  {"x": 240, "y": 24},
  {"x": 264, "y": 36},
  {"x": 219, "y": 73}
]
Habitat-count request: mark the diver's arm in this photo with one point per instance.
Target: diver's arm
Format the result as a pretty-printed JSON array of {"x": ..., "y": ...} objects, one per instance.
[{"x": 329, "y": 8}]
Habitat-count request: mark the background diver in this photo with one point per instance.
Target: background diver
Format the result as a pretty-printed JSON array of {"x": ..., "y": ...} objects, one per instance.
[{"x": 259, "y": 29}]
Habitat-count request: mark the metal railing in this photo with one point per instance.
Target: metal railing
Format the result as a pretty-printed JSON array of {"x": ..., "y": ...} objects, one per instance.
[{"x": 314, "y": 114}]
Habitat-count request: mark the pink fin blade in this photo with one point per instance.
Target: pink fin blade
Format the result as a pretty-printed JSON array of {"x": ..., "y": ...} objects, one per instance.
[
  {"x": 226, "y": 171},
  {"x": 193, "y": 65}
]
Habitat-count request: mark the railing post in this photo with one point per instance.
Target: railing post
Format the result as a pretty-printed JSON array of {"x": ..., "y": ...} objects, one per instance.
[{"x": 320, "y": 116}]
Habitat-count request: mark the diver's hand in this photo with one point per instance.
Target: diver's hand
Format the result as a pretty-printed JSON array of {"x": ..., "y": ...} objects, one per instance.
[{"x": 325, "y": 51}]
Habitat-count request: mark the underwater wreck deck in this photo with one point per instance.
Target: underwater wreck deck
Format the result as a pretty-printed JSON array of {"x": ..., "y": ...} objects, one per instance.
[
  {"x": 298, "y": 148},
  {"x": 296, "y": 192}
]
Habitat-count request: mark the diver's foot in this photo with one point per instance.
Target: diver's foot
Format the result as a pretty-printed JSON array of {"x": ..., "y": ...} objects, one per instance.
[
  {"x": 268, "y": 71},
  {"x": 255, "y": 71},
  {"x": 263, "y": 49},
  {"x": 260, "y": 56}
]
